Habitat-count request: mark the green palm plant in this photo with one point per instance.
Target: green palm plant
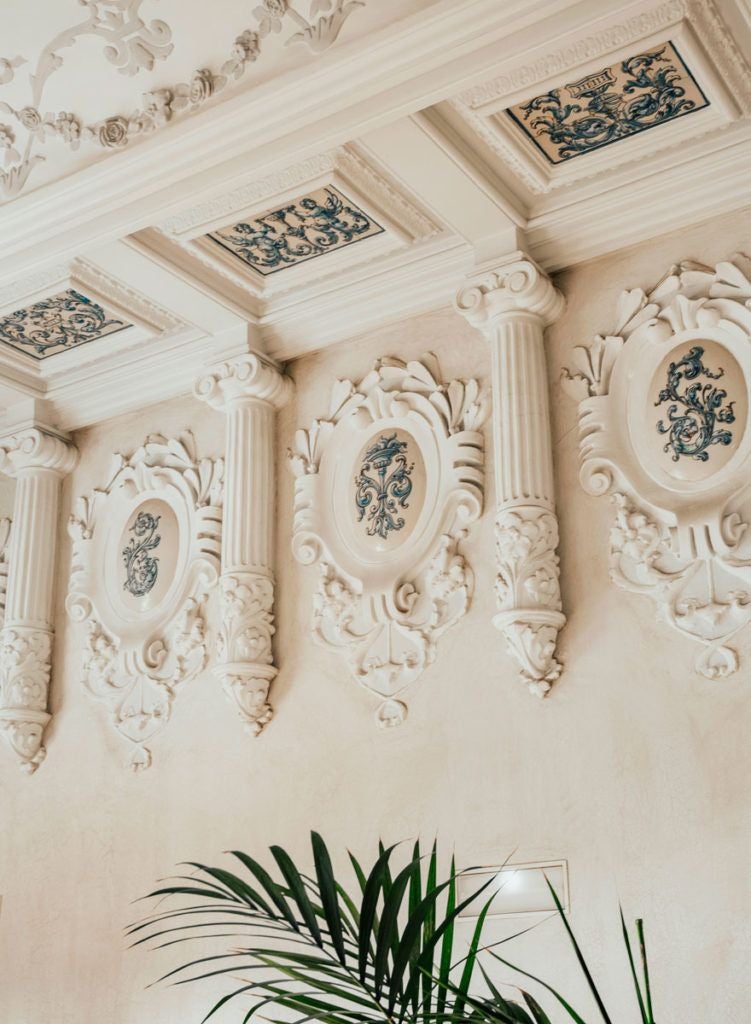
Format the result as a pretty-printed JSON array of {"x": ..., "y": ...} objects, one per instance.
[{"x": 384, "y": 955}]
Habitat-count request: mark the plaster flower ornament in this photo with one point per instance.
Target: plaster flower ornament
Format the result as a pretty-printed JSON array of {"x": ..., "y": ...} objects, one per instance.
[
  {"x": 113, "y": 132},
  {"x": 66, "y": 126},
  {"x": 201, "y": 86},
  {"x": 7, "y": 138},
  {"x": 246, "y": 49},
  {"x": 270, "y": 16},
  {"x": 158, "y": 105},
  {"x": 30, "y": 118}
]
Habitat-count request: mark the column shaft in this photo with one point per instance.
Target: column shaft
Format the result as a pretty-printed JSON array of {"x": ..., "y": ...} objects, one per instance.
[
  {"x": 248, "y": 389},
  {"x": 512, "y": 306}
]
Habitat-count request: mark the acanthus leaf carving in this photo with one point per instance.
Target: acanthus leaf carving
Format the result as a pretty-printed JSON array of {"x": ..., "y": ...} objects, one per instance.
[
  {"x": 136, "y": 670},
  {"x": 679, "y": 536},
  {"x": 388, "y": 627},
  {"x": 528, "y": 591}
]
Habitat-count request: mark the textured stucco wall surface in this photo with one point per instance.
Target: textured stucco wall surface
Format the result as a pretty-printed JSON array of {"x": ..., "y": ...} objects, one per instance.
[{"x": 636, "y": 769}]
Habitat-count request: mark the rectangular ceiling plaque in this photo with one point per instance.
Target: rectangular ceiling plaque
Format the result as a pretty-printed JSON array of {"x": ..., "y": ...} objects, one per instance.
[{"x": 614, "y": 103}]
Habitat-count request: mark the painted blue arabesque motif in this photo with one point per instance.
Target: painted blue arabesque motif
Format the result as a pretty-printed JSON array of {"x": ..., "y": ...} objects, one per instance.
[
  {"x": 381, "y": 496},
  {"x": 60, "y": 322},
  {"x": 141, "y": 569},
  {"x": 653, "y": 91},
  {"x": 695, "y": 412},
  {"x": 309, "y": 227}
]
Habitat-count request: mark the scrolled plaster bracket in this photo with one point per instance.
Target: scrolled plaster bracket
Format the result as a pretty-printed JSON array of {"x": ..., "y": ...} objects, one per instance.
[
  {"x": 38, "y": 459},
  {"x": 512, "y": 303},
  {"x": 248, "y": 389}
]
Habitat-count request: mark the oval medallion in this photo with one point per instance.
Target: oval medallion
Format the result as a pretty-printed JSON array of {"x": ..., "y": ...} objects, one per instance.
[
  {"x": 697, "y": 410},
  {"x": 148, "y": 551}
]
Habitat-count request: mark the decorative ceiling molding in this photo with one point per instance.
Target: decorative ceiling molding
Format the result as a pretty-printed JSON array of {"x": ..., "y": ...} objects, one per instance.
[
  {"x": 705, "y": 44},
  {"x": 558, "y": 63},
  {"x": 347, "y": 160},
  {"x": 132, "y": 46},
  {"x": 365, "y": 184}
]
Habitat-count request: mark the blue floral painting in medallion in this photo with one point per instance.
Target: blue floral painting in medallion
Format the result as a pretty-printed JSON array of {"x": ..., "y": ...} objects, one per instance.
[
  {"x": 619, "y": 101},
  {"x": 383, "y": 486},
  {"x": 141, "y": 568},
  {"x": 319, "y": 222},
  {"x": 698, "y": 415}
]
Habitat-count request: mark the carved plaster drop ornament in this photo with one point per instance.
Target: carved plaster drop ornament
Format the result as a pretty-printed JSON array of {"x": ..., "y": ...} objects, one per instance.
[
  {"x": 386, "y": 487},
  {"x": 512, "y": 304},
  {"x": 145, "y": 556},
  {"x": 664, "y": 429},
  {"x": 38, "y": 459},
  {"x": 248, "y": 389}
]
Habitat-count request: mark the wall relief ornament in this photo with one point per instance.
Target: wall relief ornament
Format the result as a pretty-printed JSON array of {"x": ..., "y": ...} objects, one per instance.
[
  {"x": 512, "y": 304},
  {"x": 248, "y": 389},
  {"x": 146, "y": 554},
  {"x": 37, "y": 459},
  {"x": 386, "y": 487},
  {"x": 134, "y": 45},
  {"x": 664, "y": 429}
]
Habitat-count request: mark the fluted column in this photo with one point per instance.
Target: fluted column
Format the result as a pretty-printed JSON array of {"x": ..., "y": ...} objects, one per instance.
[
  {"x": 249, "y": 390},
  {"x": 38, "y": 460},
  {"x": 512, "y": 304}
]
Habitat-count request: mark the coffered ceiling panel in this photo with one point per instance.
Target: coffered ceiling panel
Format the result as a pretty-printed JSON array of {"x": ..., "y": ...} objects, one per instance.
[
  {"x": 59, "y": 323},
  {"x": 644, "y": 91},
  {"x": 310, "y": 226}
]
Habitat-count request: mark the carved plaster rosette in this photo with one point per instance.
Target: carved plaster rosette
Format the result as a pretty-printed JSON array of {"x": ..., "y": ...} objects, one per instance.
[
  {"x": 664, "y": 427},
  {"x": 146, "y": 553},
  {"x": 386, "y": 486}
]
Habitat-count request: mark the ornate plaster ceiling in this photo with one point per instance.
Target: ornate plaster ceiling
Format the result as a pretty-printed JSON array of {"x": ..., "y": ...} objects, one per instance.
[{"x": 286, "y": 174}]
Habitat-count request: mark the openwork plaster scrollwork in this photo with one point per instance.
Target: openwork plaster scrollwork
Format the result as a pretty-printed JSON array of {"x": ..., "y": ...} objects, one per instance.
[
  {"x": 664, "y": 426},
  {"x": 133, "y": 45},
  {"x": 146, "y": 554},
  {"x": 386, "y": 487}
]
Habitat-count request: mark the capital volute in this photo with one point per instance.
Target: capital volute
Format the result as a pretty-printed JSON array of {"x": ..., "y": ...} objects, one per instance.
[
  {"x": 34, "y": 448},
  {"x": 247, "y": 376},
  {"x": 516, "y": 286}
]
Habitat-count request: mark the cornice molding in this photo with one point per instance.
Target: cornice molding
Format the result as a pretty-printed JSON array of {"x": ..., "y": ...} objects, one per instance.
[{"x": 560, "y": 61}]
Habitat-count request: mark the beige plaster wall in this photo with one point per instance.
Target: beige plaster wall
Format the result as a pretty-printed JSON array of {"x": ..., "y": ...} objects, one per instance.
[{"x": 635, "y": 770}]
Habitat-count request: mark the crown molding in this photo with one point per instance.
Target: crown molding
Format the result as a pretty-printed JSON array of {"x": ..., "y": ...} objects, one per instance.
[{"x": 411, "y": 63}]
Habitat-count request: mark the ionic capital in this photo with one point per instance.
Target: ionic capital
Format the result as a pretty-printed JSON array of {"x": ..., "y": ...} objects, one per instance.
[
  {"x": 246, "y": 376},
  {"x": 516, "y": 286},
  {"x": 34, "y": 448}
]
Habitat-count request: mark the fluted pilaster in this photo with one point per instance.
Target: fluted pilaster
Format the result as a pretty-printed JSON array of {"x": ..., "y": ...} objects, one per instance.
[
  {"x": 38, "y": 460},
  {"x": 512, "y": 304},
  {"x": 249, "y": 390}
]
